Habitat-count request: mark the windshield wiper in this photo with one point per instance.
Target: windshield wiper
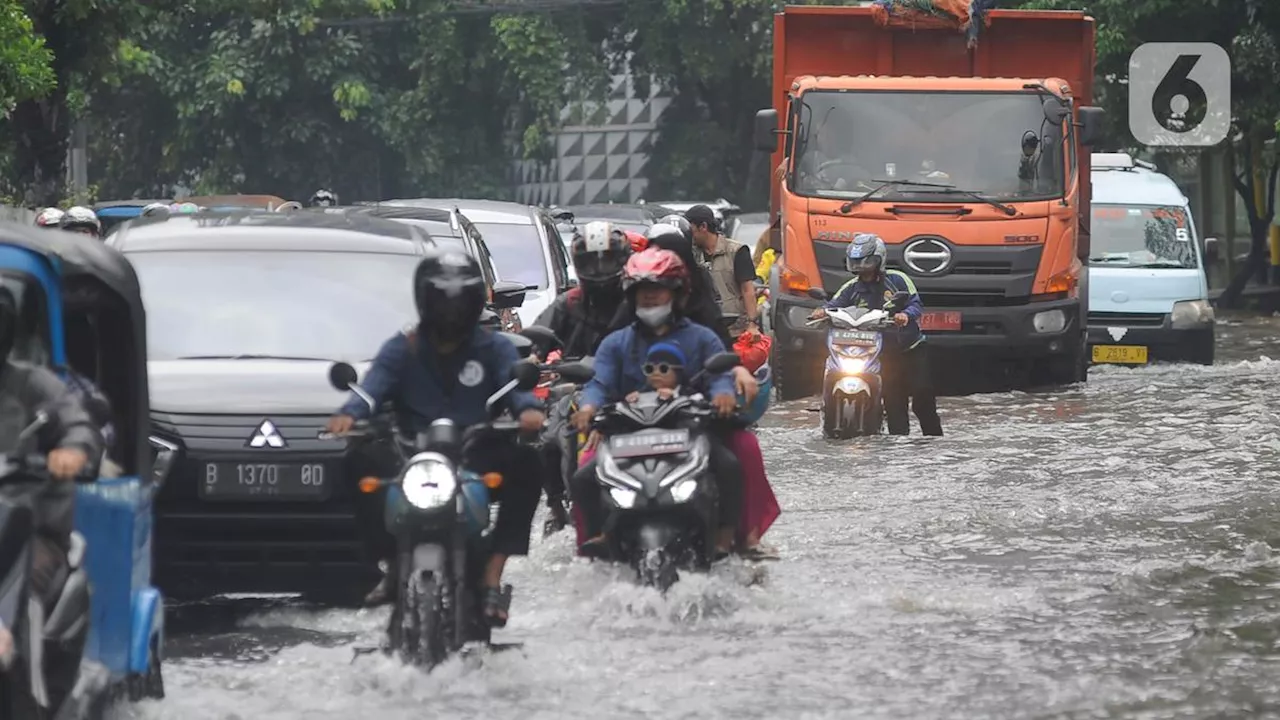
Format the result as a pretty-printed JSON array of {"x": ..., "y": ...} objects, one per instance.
[
  {"x": 849, "y": 206},
  {"x": 249, "y": 356},
  {"x": 1164, "y": 264}
]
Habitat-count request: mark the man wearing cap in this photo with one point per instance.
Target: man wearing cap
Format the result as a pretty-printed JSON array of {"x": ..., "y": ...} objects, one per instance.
[{"x": 732, "y": 272}]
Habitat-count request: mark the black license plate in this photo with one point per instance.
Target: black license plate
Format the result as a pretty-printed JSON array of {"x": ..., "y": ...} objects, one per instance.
[
  {"x": 264, "y": 481},
  {"x": 650, "y": 443},
  {"x": 853, "y": 337}
]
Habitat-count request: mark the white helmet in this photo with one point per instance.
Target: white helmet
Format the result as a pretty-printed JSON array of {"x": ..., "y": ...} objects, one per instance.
[
  {"x": 50, "y": 217},
  {"x": 82, "y": 220},
  {"x": 155, "y": 209}
]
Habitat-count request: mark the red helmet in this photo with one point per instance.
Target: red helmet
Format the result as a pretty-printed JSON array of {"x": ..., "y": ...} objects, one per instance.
[
  {"x": 658, "y": 266},
  {"x": 638, "y": 242}
]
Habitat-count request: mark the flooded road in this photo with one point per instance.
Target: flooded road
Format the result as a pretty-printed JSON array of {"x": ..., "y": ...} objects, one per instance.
[{"x": 1103, "y": 551}]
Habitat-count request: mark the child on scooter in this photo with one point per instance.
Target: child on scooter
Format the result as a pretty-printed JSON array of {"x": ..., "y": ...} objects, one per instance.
[{"x": 663, "y": 367}]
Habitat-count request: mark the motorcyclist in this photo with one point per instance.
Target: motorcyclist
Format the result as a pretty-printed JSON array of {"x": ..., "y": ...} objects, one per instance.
[
  {"x": 657, "y": 283},
  {"x": 50, "y": 217},
  {"x": 323, "y": 198},
  {"x": 447, "y": 367},
  {"x": 82, "y": 220},
  {"x": 72, "y": 446},
  {"x": 156, "y": 209},
  {"x": 906, "y": 366},
  {"x": 581, "y": 318}
]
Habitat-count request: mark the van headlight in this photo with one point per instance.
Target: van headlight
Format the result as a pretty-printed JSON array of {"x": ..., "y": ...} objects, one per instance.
[
  {"x": 428, "y": 481},
  {"x": 1191, "y": 314}
]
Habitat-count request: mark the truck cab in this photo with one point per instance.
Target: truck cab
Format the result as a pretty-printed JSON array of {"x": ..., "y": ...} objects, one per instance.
[{"x": 1148, "y": 293}]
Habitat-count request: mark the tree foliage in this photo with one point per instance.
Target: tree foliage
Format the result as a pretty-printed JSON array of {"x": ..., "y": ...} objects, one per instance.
[{"x": 26, "y": 65}]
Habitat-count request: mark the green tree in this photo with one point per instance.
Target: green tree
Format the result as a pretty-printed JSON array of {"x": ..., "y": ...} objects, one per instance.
[{"x": 25, "y": 63}]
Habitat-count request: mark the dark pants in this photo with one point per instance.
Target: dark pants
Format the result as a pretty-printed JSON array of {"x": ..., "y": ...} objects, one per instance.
[
  {"x": 906, "y": 376},
  {"x": 521, "y": 468},
  {"x": 724, "y": 467},
  {"x": 53, "y": 509}
]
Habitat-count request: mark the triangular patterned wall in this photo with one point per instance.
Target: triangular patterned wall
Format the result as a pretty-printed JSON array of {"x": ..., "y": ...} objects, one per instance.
[{"x": 601, "y": 160}]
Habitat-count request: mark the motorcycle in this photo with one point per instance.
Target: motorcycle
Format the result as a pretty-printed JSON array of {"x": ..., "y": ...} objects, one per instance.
[
  {"x": 439, "y": 512},
  {"x": 41, "y": 667},
  {"x": 851, "y": 386},
  {"x": 654, "y": 471}
]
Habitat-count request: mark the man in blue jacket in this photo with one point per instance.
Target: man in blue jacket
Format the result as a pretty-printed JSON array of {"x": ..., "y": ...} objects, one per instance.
[
  {"x": 905, "y": 371},
  {"x": 447, "y": 367},
  {"x": 656, "y": 282}
]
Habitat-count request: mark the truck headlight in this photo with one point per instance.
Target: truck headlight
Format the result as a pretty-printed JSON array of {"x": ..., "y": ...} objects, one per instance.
[
  {"x": 1191, "y": 314},
  {"x": 428, "y": 481},
  {"x": 1049, "y": 321}
]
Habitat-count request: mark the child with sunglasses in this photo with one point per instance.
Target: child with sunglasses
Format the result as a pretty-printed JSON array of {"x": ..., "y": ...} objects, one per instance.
[{"x": 663, "y": 368}]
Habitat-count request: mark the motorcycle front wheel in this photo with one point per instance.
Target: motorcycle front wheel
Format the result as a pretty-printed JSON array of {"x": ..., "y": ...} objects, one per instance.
[{"x": 424, "y": 620}]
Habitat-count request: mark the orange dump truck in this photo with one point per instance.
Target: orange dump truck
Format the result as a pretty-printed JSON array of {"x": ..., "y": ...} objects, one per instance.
[{"x": 970, "y": 161}]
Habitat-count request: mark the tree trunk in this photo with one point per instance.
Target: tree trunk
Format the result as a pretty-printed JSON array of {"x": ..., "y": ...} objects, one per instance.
[
  {"x": 1259, "y": 231},
  {"x": 42, "y": 131}
]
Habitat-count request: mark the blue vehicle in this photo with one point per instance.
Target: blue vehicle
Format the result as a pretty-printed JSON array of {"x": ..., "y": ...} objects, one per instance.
[
  {"x": 852, "y": 397},
  {"x": 1148, "y": 294},
  {"x": 111, "y": 214},
  {"x": 438, "y": 512},
  {"x": 82, "y": 314}
]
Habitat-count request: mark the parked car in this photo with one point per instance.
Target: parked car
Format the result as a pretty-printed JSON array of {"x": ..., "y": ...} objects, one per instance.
[
  {"x": 634, "y": 217},
  {"x": 1148, "y": 293},
  {"x": 246, "y": 312},
  {"x": 449, "y": 227},
  {"x": 525, "y": 245}
]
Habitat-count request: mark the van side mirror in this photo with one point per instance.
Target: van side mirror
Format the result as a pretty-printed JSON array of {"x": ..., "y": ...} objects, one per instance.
[
  {"x": 766, "y": 130},
  {"x": 1091, "y": 119},
  {"x": 342, "y": 376},
  {"x": 508, "y": 295}
]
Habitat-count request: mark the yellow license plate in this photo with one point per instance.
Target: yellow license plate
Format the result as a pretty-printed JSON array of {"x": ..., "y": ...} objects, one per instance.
[{"x": 1120, "y": 354}]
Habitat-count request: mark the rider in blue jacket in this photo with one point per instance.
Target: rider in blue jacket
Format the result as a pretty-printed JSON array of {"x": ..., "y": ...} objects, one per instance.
[
  {"x": 447, "y": 367},
  {"x": 906, "y": 373},
  {"x": 656, "y": 282}
]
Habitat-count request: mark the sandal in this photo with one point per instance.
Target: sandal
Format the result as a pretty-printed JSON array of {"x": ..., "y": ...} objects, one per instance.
[
  {"x": 760, "y": 552},
  {"x": 596, "y": 548},
  {"x": 497, "y": 603}
]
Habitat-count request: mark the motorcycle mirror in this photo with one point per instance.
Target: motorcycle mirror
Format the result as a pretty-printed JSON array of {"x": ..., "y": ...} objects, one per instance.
[
  {"x": 543, "y": 338},
  {"x": 722, "y": 362},
  {"x": 524, "y": 346},
  {"x": 577, "y": 373},
  {"x": 342, "y": 376},
  {"x": 818, "y": 294},
  {"x": 525, "y": 375}
]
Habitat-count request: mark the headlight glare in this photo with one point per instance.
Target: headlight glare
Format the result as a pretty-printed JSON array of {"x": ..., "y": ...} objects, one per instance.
[{"x": 428, "y": 481}]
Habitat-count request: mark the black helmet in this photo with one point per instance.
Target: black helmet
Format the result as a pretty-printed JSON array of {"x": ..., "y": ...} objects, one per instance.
[
  {"x": 600, "y": 252},
  {"x": 449, "y": 291},
  {"x": 324, "y": 198},
  {"x": 8, "y": 322},
  {"x": 680, "y": 222}
]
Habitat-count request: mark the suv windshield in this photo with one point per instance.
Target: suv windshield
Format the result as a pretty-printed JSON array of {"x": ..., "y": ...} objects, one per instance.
[
  {"x": 1145, "y": 236},
  {"x": 997, "y": 145},
  {"x": 326, "y": 305},
  {"x": 517, "y": 252}
]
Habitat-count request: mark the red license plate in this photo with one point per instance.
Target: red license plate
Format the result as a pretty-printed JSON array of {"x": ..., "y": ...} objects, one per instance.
[{"x": 936, "y": 321}]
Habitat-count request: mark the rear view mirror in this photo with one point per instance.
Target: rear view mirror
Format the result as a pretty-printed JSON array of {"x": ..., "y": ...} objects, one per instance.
[
  {"x": 490, "y": 319},
  {"x": 508, "y": 295},
  {"x": 818, "y": 294},
  {"x": 524, "y": 346},
  {"x": 765, "y": 132},
  {"x": 1091, "y": 125},
  {"x": 342, "y": 376},
  {"x": 577, "y": 373},
  {"x": 722, "y": 362},
  {"x": 526, "y": 376},
  {"x": 542, "y": 338}
]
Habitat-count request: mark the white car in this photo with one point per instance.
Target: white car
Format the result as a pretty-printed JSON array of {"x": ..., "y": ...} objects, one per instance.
[{"x": 524, "y": 243}]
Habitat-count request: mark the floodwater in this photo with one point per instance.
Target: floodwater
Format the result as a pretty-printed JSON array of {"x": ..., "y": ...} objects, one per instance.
[{"x": 1102, "y": 551}]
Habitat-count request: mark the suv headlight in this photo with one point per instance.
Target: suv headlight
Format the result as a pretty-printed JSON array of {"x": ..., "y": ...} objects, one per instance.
[
  {"x": 1191, "y": 314},
  {"x": 428, "y": 481}
]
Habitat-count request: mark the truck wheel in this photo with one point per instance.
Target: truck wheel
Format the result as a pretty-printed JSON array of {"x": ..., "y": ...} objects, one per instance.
[
  {"x": 796, "y": 376},
  {"x": 1063, "y": 369}
]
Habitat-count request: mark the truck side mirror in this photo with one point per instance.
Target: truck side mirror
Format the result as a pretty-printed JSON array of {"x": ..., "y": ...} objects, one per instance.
[
  {"x": 766, "y": 130},
  {"x": 1091, "y": 125}
]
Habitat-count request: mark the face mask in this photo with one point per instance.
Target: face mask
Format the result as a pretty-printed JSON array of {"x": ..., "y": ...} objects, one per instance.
[{"x": 654, "y": 316}]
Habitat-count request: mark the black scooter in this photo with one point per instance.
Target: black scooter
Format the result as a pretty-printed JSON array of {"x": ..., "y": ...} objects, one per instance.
[
  {"x": 654, "y": 471},
  {"x": 39, "y": 671}
]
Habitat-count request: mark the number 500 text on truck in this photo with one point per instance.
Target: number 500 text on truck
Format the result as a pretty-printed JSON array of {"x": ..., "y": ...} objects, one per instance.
[{"x": 969, "y": 162}]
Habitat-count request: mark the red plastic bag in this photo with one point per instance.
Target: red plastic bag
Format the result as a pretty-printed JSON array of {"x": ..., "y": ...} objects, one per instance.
[{"x": 753, "y": 349}]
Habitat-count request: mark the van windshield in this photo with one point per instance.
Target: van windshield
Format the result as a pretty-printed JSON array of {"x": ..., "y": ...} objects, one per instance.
[{"x": 1142, "y": 236}]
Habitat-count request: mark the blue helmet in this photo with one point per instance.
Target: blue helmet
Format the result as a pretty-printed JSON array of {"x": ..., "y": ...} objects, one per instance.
[
  {"x": 751, "y": 413},
  {"x": 866, "y": 252}
]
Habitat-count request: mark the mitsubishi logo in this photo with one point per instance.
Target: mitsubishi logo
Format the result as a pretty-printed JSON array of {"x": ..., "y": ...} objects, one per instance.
[
  {"x": 927, "y": 256},
  {"x": 266, "y": 436}
]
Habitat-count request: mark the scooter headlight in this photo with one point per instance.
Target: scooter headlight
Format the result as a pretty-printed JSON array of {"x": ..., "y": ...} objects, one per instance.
[
  {"x": 683, "y": 490},
  {"x": 853, "y": 366},
  {"x": 429, "y": 481}
]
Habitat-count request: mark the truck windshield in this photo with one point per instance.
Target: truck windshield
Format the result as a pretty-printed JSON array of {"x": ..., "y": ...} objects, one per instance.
[
  {"x": 1141, "y": 236},
  {"x": 997, "y": 145}
]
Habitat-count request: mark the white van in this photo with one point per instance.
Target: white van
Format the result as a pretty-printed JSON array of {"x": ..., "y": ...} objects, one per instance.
[{"x": 1148, "y": 294}]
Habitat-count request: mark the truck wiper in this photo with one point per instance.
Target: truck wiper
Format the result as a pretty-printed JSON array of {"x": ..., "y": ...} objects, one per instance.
[
  {"x": 247, "y": 356},
  {"x": 849, "y": 206}
]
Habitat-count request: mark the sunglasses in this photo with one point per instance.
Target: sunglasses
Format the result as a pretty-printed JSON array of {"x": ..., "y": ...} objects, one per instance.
[{"x": 662, "y": 368}]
